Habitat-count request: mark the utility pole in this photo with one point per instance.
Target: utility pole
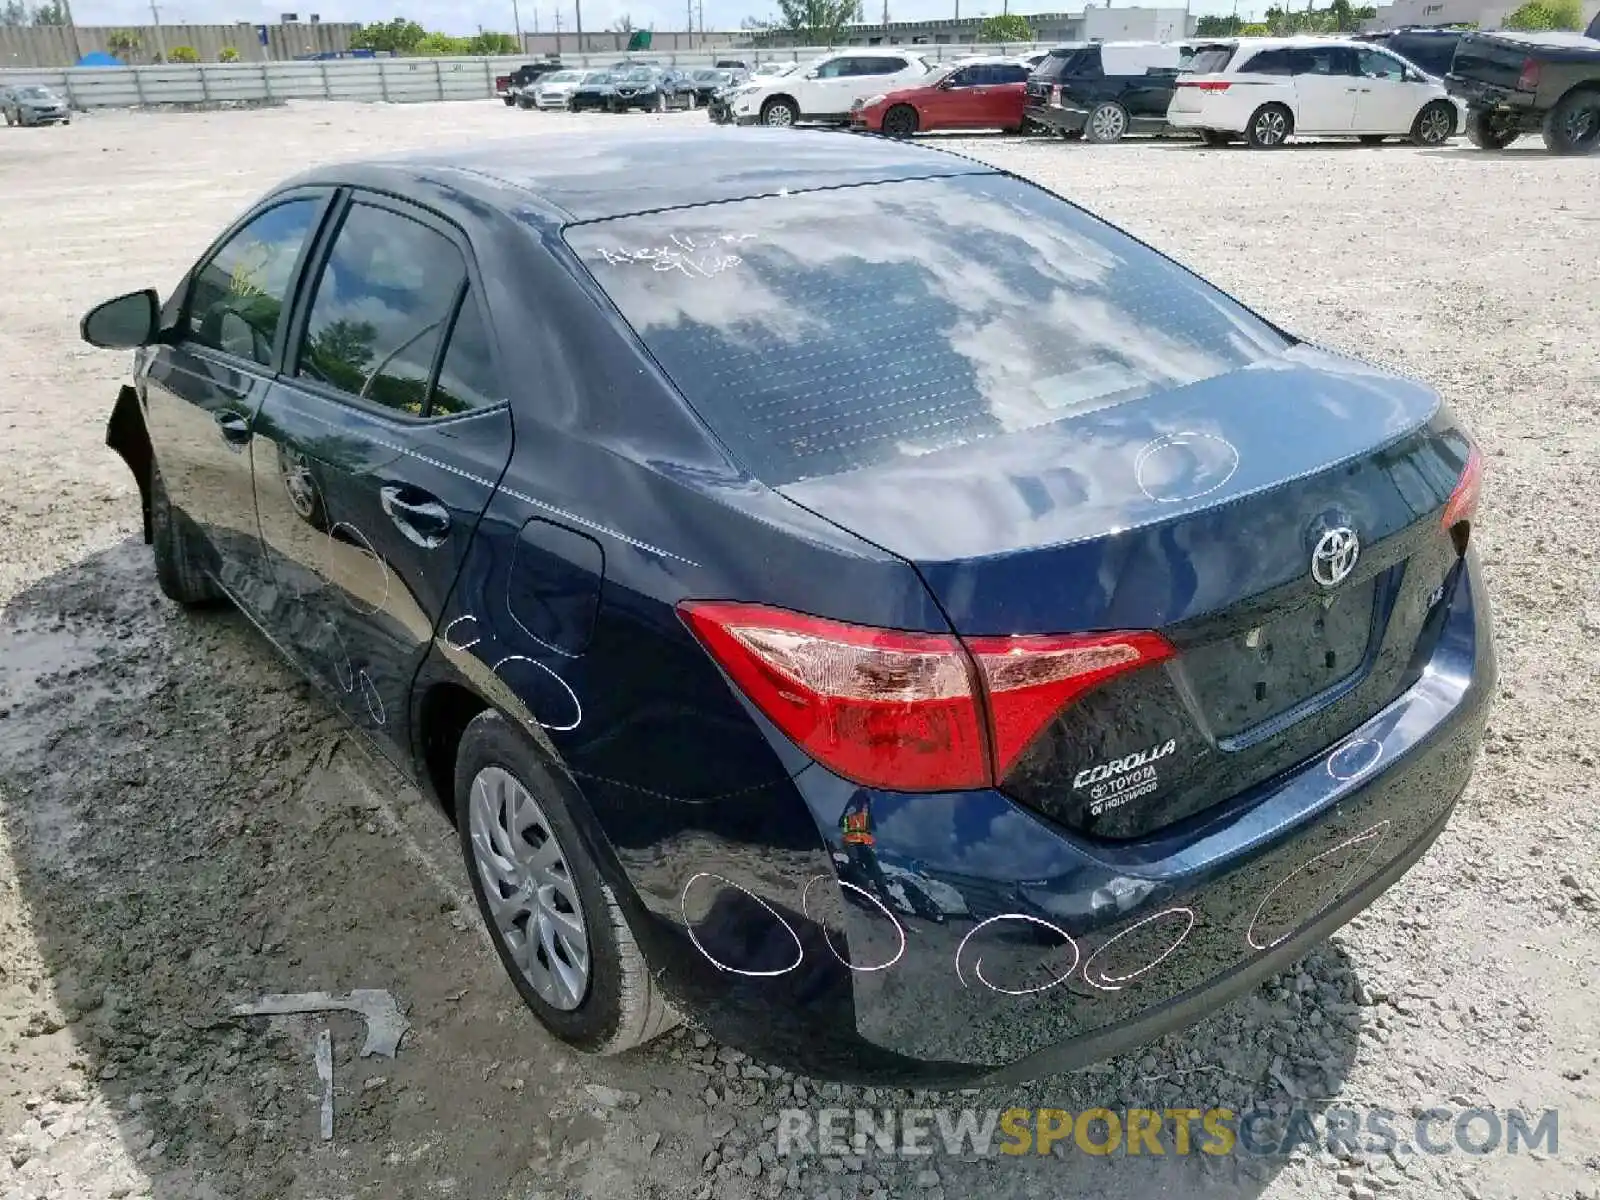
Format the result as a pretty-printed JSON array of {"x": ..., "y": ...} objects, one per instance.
[
  {"x": 558, "y": 33},
  {"x": 578, "y": 6},
  {"x": 161, "y": 42},
  {"x": 702, "y": 6},
  {"x": 516, "y": 20},
  {"x": 77, "y": 47},
  {"x": 688, "y": 20}
]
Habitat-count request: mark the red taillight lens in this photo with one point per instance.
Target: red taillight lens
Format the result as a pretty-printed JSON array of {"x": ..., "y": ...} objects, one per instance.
[
  {"x": 1528, "y": 81},
  {"x": 1464, "y": 500},
  {"x": 1031, "y": 679},
  {"x": 905, "y": 711},
  {"x": 1206, "y": 85},
  {"x": 1055, "y": 95}
]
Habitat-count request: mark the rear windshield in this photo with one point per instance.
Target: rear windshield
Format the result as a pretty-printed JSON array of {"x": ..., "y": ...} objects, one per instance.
[
  {"x": 1208, "y": 60},
  {"x": 1071, "y": 62},
  {"x": 834, "y": 330}
]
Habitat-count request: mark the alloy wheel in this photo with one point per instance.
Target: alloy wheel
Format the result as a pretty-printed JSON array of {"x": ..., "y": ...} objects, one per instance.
[
  {"x": 1583, "y": 125},
  {"x": 1108, "y": 123},
  {"x": 1271, "y": 127},
  {"x": 529, "y": 888},
  {"x": 778, "y": 114},
  {"x": 1435, "y": 126}
]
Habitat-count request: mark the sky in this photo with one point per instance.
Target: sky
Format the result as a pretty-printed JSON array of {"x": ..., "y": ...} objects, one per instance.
[{"x": 466, "y": 16}]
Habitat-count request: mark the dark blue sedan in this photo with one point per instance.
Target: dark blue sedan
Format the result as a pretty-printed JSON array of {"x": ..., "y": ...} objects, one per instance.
[{"x": 842, "y": 593}]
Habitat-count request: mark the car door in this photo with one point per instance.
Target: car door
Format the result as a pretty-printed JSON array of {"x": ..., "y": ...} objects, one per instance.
[
  {"x": 204, "y": 382},
  {"x": 952, "y": 103},
  {"x": 1387, "y": 99},
  {"x": 820, "y": 90},
  {"x": 1003, "y": 98},
  {"x": 377, "y": 452},
  {"x": 1325, "y": 89}
]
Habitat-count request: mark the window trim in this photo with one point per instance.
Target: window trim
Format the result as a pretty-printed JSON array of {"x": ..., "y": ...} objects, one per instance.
[
  {"x": 280, "y": 342},
  {"x": 305, "y": 294}
]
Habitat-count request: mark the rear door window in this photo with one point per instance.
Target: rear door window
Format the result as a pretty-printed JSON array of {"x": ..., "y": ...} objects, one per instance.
[
  {"x": 236, "y": 301},
  {"x": 1208, "y": 60},
  {"x": 832, "y": 330},
  {"x": 1271, "y": 62}
]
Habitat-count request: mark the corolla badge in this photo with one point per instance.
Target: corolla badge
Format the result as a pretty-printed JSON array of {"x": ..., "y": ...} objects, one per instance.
[{"x": 1335, "y": 556}]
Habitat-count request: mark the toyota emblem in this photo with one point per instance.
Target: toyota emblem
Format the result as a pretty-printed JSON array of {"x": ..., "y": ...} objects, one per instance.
[{"x": 1335, "y": 556}]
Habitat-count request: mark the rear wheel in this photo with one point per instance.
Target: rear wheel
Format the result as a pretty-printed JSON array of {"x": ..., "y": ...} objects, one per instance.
[
  {"x": 1107, "y": 123},
  {"x": 178, "y": 574},
  {"x": 555, "y": 924},
  {"x": 780, "y": 111},
  {"x": 1488, "y": 132},
  {"x": 1573, "y": 125},
  {"x": 1270, "y": 126},
  {"x": 510, "y": 100},
  {"x": 1434, "y": 124},
  {"x": 900, "y": 121}
]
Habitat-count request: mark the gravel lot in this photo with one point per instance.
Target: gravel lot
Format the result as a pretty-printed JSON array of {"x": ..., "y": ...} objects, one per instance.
[{"x": 186, "y": 826}]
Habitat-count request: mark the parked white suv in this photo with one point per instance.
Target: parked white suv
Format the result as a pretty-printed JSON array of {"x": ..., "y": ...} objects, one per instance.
[
  {"x": 827, "y": 89},
  {"x": 1266, "y": 89}
]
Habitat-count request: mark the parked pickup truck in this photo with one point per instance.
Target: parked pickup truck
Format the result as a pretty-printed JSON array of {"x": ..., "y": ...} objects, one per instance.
[
  {"x": 507, "y": 86},
  {"x": 1516, "y": 83}
]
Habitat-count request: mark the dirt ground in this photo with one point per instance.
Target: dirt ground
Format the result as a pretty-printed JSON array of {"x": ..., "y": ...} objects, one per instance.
[{"x": 185, "y": 826}]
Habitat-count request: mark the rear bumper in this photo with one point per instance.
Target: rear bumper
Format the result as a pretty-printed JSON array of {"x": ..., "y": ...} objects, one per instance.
[
  {"x": 1060, "y": 120},
  {"x": 975, "y": 942},
  {"x": 1477, "y": 94}
]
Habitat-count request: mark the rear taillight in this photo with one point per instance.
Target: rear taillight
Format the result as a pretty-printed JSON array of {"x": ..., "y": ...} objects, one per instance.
[
  {"x": 1528, "y": 81},
  {"x": 1206, "y": 85},
  {"x": 908, "y": 711},
  {"x": 1055, "y": 95},
  {"x": 1463, "y": 504}
]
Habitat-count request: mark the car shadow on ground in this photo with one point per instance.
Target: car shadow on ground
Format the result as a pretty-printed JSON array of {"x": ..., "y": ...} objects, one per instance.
[{"x": 190, "y": 827}]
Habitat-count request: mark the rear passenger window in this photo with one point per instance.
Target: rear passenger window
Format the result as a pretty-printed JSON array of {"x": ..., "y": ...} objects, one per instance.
[
  {"x": 1380, "y": 66},
  {"x": 1268, "y": 62},
  {"x": 466, "y": 377},
  {"x": 381, "y": 307},
  {"x": 237, "y": 298},
  {"x": 1009, "y": 74}
]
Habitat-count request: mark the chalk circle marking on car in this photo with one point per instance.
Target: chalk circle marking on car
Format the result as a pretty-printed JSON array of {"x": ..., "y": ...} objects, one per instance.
[
  {"x": 688, "y": 925},
  {"x": 1354, "y": 759},
  {"x": 1184, "y": 466},
  {"x": 977, "y": 963},
  {"x": 1113, "y": 983},
  {"x": 369, "y": 693},
  {"x": 455, "y": 645},
  {"x": 1374, "y": 835},
  {"x": 577, "y": 708},
  {"x": 362, "y": 545},
  {"x": 344, "y": 671},
  {"x": 805, "y": 907}
]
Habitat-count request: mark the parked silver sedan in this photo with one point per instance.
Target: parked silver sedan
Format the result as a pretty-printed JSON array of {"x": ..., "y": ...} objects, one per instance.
[{"x": 34, "y": 104}]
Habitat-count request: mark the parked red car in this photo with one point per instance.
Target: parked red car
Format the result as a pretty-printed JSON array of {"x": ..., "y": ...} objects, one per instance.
[{"x": 975, "y": 93}]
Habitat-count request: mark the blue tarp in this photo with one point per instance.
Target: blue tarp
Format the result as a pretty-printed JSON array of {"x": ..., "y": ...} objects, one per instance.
[{"x": 100, "y": 59}]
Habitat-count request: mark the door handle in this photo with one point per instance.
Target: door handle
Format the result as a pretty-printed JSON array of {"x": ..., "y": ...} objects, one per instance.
[
  {"x": 421, "y": 518},
  {"x": 234, "y": 427}
]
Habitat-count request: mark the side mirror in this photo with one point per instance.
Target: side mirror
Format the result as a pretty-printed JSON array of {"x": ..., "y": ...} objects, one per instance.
[
  {"x": 125, "y": 323},
  {"x": 811, "y": 75}
]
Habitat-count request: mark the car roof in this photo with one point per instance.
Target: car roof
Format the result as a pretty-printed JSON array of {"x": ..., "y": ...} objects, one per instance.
[
  {"x": 1265, "y": 43},
  {"x": 572, "y": 177}
]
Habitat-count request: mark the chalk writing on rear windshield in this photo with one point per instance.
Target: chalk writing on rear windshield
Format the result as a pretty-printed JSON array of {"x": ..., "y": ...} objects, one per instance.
[{"x": 697, "y": 257}]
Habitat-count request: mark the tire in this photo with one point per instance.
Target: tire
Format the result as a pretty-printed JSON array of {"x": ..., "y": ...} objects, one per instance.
[
  {"x": 900, "y": 121},
  {"x": 1573, "y": 125},
  {"x": 510, "y": 100},
  {"x": 780, "y": 112},
  {"x": 661, "y": 102},
  {"x": 1370, "y": 139},
  {"x": 1484, "y": 132},
  {"x": 1269, "y": 126},
  {"x": 178, "y": 575},
  {"x": 1107, "y": 122},
  {"x": 1435, "y": 124},
  {"x": 1215, "y": 137},
  {"x": 616, "y": 1006}
]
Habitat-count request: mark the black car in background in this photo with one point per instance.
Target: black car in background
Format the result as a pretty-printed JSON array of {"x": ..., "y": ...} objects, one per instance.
[
  {"x": 595, "y": 93},
  {"x": 653, "y": 89},
  {"x": 1430, "y": 48},
  {"x": 708, "y": 81},
  {"x": 1105, "y": 90}
]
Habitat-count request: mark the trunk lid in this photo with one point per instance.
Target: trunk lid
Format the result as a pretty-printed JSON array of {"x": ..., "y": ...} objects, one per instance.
[
  {"x": 1196, "y": 512},
  {"x": 1489, "y": 60}
]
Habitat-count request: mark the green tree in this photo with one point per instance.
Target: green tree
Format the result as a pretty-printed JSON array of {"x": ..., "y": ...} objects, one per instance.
[
  {"x": 227, "y": 54},
  {"x": 13, "y": 13},
  {"x": 1255, "y": 29},
  {"x": 493, "y": 43},
  {"x": 398, "y": 36},
  {"x": 1228, "y": 26},
  {"x": 183, "y": 54},
  {"x": 1547, "y": 14},
  {"x": 53, "y": 13},
  {"x": 1009, "y": 27},
  {"x": 440, "y": 45},
  {"x": 122, "y": 43},
  {"x": 818, "y": 22}
]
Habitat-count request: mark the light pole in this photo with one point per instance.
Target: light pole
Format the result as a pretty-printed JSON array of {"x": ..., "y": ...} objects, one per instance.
[
  {"x": 577, "y": 6},
  {"x": 516, "y": 20}
]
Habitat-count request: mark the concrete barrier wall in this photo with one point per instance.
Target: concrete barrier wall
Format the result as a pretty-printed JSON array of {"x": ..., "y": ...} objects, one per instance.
[
  {"x": 375, "y": 80},
  {"x": 60, "y": 46}
]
